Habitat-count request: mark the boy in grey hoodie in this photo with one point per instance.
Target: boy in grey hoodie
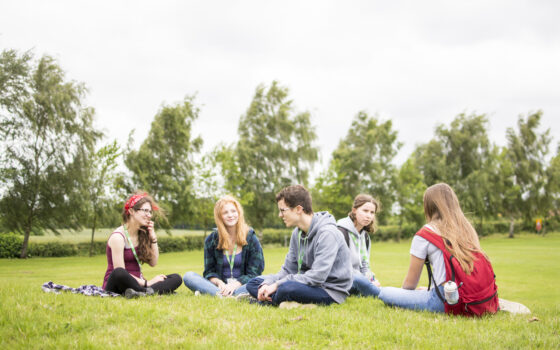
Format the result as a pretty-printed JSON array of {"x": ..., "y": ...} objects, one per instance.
[{"x": 317, "y": 268}]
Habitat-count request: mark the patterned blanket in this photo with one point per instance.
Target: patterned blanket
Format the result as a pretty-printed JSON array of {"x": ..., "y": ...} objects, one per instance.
[{"x": 90, "y": 290}]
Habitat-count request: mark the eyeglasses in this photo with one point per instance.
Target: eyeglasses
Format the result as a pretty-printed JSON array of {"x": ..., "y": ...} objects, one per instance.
[
  {"x": 146, "y": 211},
  {"x": 283, "y": 210}
]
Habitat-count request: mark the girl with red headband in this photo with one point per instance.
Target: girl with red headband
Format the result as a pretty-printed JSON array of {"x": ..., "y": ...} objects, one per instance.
[{"x": 131, "y": 244}]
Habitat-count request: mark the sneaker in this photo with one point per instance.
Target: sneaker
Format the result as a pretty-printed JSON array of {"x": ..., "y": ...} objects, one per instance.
[
  {"x": 513, "y": 307},
  {"x": 196, "y": 293},
  {"x": 294, "y": 305},
  {"x": 149, "y": 291},
  {"x": 246, "y": 297},
  {"x": 130, "y": 293}
]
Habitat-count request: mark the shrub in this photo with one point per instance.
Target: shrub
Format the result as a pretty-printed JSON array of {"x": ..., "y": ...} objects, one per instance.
[
  {"x": 279, "y": 236},
  {"x": 10, "y": 245},
  {"x": 52, "y": 249}
]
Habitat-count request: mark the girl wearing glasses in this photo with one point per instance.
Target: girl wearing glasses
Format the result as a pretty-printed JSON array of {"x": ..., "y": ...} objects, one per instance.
[
  {"x": 356, "y": 228},
  {"x": 232, "y": 254},
  {"x": 131, "y": 244}
]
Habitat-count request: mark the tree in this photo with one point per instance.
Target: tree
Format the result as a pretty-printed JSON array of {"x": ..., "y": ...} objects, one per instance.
[
  {"x": 527, "y": 151},
  {"x": 46, "y": 132},
  {"x": 275, "y": 149},
  {"x": 410, "y": 190},
  {"x": 462, "y": 156},
  {"x": 362, "y": 162},
  {"x": 164, "y": 164},
  {"x": 100, "y": 184},
  {"x": 507, "y": 194},
  {"x": 552, "y": 189},
  {"x": 207, "y": 189}
]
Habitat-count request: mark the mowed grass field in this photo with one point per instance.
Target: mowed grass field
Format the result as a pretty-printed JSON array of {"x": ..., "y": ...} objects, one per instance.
[{"x": 527, "y": 269}]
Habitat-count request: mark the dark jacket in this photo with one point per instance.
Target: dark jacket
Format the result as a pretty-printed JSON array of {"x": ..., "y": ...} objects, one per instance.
[{"x": 252, "y": 259}]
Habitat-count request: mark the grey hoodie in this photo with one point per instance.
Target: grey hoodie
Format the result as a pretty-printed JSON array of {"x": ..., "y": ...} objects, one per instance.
[
  {"x": 360, "y": 265},
  {"x": 326, "y": 262}
]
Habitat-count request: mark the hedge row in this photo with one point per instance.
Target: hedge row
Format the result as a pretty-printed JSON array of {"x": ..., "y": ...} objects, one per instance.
[{"x": 10, "y": 244}]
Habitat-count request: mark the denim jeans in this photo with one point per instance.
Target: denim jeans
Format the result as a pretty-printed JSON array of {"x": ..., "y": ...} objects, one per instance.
[
  {"x": 195, "y": 282},
  {"x": 361, "y": 285},
  {"x": 413, "y": 299},
  {"x": 292, "y": 291}
]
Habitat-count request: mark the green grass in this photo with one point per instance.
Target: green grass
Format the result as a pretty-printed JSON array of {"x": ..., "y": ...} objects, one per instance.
[{"x": 527, "y": 269}]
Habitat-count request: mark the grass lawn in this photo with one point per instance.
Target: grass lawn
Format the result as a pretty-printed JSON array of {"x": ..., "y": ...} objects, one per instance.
[{"x": 527, "y": 269}]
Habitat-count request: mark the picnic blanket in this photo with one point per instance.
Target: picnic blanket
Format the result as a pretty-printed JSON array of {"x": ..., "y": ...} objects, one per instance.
[{"x": 88, "y": 289}]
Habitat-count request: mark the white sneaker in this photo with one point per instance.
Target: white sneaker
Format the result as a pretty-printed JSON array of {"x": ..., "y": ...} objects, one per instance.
[
  {"x": 294, "y": 305},
  {"x": 196, "y": 293},
  {"x": 513, "y": 307}
]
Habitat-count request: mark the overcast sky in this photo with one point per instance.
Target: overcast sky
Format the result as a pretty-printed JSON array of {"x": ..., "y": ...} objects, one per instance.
[{"x": 418, "y": 63}]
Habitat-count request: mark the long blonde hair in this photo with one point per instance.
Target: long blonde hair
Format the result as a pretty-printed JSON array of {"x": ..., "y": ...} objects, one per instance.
[
  {"x": 442, "y": 210},
  {"x": 241, "y": 228}
]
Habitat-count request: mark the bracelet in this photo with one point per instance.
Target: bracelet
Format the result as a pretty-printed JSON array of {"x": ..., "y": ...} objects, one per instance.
[{"x": 145, "y": 283}]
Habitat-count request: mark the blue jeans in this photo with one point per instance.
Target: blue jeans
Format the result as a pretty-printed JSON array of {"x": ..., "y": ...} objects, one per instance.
[
  {"x": 195, "y": 282},
  {"x": 361, "y": 285},
  {"x": 292, "y": 291},
  {"x": 413, "y": 299}
]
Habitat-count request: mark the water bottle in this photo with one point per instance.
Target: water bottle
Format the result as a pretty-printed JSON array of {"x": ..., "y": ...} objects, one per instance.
[{"x": 451, "y": 293}]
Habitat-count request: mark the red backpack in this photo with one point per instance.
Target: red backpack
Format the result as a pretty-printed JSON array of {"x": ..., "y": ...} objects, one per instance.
[{"x": 478, "y": 292}]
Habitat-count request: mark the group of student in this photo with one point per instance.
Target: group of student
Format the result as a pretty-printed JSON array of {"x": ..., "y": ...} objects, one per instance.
[{"x": 327, "y": 260}]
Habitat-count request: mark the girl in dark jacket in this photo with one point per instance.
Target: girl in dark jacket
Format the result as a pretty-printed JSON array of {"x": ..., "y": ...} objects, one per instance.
[{"x": 232, "y": 254}]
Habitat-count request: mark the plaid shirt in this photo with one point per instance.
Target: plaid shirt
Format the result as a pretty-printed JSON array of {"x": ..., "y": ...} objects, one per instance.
[{"x": 252, "y": 258}]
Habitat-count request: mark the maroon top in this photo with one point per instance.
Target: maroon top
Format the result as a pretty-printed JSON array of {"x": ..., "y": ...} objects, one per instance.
[{"x": 130, "y": 263}]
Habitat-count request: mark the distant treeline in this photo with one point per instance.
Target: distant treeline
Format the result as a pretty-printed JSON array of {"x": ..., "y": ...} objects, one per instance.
[{"x": 56, "y": 172}]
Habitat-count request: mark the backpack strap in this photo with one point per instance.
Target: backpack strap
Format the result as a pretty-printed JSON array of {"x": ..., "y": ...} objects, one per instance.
[
  {"x": 345, "y": 234},
  {"x": 430, "y": 279},
  {"x": 436, "y": 240}
]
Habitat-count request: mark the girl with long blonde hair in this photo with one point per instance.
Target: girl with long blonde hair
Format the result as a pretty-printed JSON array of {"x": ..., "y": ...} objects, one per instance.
[
  {"x": 232, "y": 253},
  {"x": 444, "y": 218}
]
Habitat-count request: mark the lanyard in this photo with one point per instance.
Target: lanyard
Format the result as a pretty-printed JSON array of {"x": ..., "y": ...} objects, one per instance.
[
  {"x": 132, "y": 247},
  {"x": 361, "y": 247},
  {"x": 231, "y": 259},
  {"x": 301, "y": 252}
]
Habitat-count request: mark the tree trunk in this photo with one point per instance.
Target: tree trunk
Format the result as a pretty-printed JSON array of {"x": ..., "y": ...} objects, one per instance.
[
  {"x": 511, "y": 225},
  {"x": 399, "y": 234},
  {"x": 25, "y": 243},
  {"x": 92, "y": 234}
]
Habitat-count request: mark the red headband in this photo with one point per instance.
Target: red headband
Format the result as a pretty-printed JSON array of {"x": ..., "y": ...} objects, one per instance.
[{"x": 131, "y": 202}]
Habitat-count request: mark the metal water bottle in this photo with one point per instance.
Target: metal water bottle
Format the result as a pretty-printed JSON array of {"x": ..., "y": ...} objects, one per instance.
[{"x": 451, "y": 292}]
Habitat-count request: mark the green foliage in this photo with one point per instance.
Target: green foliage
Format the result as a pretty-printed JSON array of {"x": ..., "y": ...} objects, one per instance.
[
  {"x": 206, "y": 189},
  {"x": 275, "y": 149},
  {"x": 177, "y": 244},
  {"x": 552, "y": 187},
  {"x": 463, "y": 157},
  {"x": 10, "y": 245},
  {"x": 362, "y": 163},
  {"x": 410, "y": 188},
  {"x": 527, "y": 151},
  {"x": 163, "y": 164},
  {"x": 99, "y": 184},
  {"x": 52, "y": 249},
  {"x": 46, "y": 133}
]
